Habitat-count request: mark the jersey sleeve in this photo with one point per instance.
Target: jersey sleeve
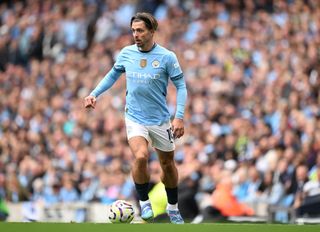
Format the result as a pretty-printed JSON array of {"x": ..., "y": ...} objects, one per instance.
[
  {"x": 176, "y": 75},
  {"x": 112, "y": 76},
  {"x": 173, "y": 66},
  {"x": 119, "y": 64}
]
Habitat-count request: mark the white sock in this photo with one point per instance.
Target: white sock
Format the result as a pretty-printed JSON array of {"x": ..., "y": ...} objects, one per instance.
[
  {"x": 142, "y": 203},
  {"x": 172, "y": 207}
]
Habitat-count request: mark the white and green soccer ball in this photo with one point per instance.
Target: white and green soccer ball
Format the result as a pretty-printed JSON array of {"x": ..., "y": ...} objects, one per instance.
[{"x": 121, "y": 211}]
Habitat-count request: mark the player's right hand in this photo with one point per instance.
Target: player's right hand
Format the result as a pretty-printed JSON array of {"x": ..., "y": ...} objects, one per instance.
[{"x": 90, "y": 102}]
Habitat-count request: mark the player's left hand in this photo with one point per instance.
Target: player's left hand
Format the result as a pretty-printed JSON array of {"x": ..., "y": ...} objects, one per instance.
[{"x": 177, "y": 127}]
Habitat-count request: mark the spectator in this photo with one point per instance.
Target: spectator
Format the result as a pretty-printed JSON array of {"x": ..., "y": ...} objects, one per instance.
[
  {"x": 224, "y": 203},
  {"x": 310, "y": 201},
  {"x": 14, "y": 191}
]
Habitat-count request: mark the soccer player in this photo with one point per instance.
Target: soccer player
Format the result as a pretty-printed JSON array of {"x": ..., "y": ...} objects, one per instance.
[{"x": 148, "y": 67}]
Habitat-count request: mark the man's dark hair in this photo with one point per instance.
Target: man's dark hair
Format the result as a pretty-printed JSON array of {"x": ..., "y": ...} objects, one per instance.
[{"x": 148, "y": 19}]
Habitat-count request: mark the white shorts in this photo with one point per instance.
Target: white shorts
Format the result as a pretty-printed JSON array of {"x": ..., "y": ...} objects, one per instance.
[{"x": 160, "y": 137}]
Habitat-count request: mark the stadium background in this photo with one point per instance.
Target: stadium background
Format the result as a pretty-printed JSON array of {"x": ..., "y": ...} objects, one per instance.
[{"x": 252, "y": 118}]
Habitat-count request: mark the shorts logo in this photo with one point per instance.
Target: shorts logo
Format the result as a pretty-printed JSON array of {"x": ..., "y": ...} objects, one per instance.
[
  {"x": 155, "y": 64},
  {"x": 143, "y": 63}
]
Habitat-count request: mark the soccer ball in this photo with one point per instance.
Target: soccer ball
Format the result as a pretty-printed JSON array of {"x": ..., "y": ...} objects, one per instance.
[{"x": 121, "y": 211}]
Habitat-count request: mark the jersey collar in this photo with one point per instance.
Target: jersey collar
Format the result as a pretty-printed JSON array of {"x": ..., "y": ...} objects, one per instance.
[{"x": 154, "y": 45}]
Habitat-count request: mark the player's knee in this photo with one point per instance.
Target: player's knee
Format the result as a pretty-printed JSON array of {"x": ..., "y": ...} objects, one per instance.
[
  {"x": 141, "y": 159},
  {"x": 167, "y": 164}
]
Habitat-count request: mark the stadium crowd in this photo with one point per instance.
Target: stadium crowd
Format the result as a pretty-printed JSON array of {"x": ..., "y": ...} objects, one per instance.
[{"x": 252, "y": 120}]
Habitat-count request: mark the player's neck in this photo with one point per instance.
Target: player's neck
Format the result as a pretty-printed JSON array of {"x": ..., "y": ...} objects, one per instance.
[{"x": 147, "y": 48}]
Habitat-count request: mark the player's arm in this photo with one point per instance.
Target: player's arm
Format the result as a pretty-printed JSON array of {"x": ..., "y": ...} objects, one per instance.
[
  {"x": 177, "y": 123},
  {"x": 106, "y": 83},
  {"x": 110, "y": 78},
  {"x": 176, "y": 76},
  {"x": 180, "y": 85}
]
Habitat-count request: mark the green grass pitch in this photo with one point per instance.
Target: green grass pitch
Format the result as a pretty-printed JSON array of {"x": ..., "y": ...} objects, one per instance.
[{"x": 205, "y": 227}]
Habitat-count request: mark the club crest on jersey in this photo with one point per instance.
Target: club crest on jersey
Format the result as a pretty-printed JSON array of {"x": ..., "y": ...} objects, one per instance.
[
  {"x": 155, "y": 64},
  {"x": 143, "y": 63}
]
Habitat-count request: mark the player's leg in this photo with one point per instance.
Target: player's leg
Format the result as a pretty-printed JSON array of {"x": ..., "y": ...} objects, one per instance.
[
  {"x": 170, "y": 180},
  {"x": 170, "y": 173},
  {"x": 162, "y": 141},
  {"x": 139, "y": 148},
  {"x": 138, "y": 142}
]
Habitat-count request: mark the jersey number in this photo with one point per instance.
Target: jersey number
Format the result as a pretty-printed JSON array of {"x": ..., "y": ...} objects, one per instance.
[{"x": 170, "y": 135}]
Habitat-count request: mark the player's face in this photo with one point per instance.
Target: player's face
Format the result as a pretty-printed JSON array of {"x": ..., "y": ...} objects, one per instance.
[{"x": 142, "y": 36}]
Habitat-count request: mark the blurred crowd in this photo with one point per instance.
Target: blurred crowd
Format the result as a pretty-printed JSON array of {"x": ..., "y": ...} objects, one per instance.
[{"x": 252, "y": 120}]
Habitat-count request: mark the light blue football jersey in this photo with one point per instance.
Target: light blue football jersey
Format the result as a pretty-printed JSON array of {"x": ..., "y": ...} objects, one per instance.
[{"x": 147, "y": 76}]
